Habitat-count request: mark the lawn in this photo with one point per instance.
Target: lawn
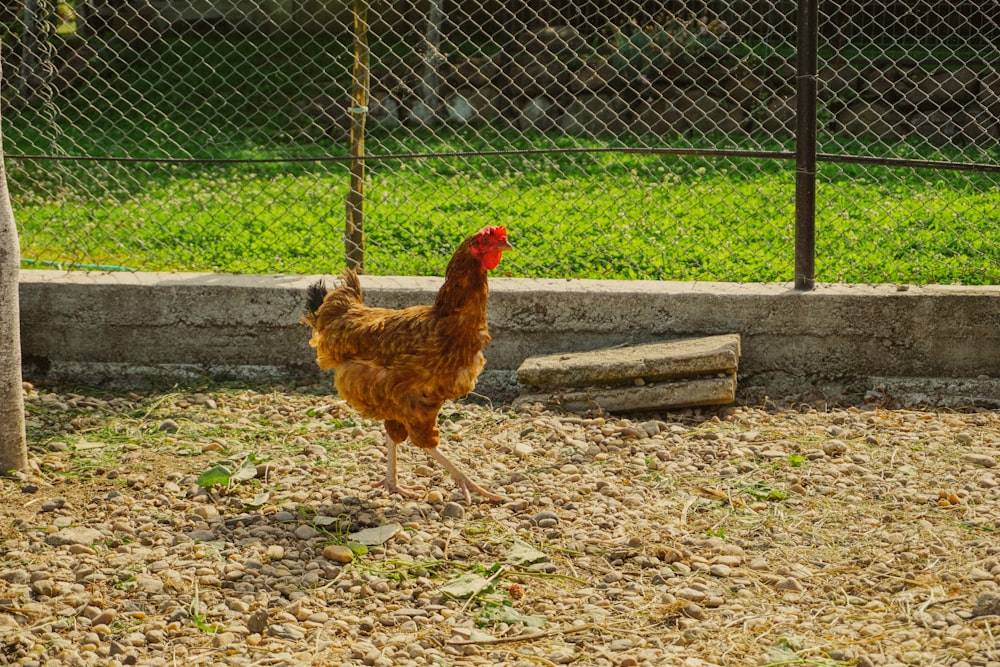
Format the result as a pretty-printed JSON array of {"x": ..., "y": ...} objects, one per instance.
[{"x": 571, "y": 215}]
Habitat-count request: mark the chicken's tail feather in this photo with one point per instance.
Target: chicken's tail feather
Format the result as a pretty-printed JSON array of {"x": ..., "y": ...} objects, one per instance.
[
  {"x": 315, "y": 294},
  {"x": 333, "y": 303}
]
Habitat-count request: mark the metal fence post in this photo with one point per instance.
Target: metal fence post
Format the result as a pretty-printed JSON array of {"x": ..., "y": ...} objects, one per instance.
[
  {"x": 354, "y": 231},
  {"x": 805, "y": 146}
]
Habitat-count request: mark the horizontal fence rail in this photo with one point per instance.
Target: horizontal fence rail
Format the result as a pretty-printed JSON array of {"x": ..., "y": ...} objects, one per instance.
[{"x": 652, "y": 140}]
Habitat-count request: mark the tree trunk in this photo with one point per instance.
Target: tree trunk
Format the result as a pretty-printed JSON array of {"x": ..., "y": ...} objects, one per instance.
[{"x": 13, "y": 443}]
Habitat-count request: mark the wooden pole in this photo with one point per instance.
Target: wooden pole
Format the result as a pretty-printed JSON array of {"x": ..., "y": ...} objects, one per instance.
[{"x": 354, "y": 232}]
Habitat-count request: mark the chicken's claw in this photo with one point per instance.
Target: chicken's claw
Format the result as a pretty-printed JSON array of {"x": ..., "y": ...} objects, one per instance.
[
  {"x": 469, "y": 487},
  {"x": 391, "y": 486}
]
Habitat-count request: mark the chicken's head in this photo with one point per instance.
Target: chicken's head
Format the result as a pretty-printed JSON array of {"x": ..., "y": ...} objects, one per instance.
[{"x": 488, "y": 244}]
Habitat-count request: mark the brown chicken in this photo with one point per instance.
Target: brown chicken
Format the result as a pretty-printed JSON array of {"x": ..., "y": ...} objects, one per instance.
[{"x": 400, "y": 366}]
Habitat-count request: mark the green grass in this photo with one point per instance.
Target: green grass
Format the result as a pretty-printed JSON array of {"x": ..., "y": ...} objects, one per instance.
[
  {"x": 570, "y": 215},
  {"x": 589, "y": 215}
]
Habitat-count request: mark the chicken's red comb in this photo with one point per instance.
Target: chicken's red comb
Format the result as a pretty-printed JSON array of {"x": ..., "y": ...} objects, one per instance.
[{"x": 498, "y": 230}]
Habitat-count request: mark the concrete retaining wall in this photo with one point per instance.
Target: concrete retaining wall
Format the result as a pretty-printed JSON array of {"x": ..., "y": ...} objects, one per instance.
[{"x": 838, "y": 340}]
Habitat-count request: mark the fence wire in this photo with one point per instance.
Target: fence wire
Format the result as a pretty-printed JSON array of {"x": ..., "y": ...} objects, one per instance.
[{"x": 217, "y": 135}]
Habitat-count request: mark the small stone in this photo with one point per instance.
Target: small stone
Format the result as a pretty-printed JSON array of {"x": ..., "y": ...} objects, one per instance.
[
  {"x": 75, "y": 535},
  {"x": 44, "y": 587},
  {"x": 223, "y": 640},
  {"x": 206, "y": 512},
  {"x": 105, "y": 617},
  {"x": 257, "y": 622},
  {"x": 545, "y": 519},
  {"x": 338, "y": 553},
  {"x": 618, "y": 645},
  {"x": 650, "y": 427},
  {"x": 720, "y": 570},
  {"x": 286, "y": 631},
  {"x": 169, "y": 426},
  {"x": 833, "y": 448},
  {"x": 53, "y": 504},
  {"x": 148, "y": 583},
  {"x": 841, "y": 654},
  {"x": 872, "y": 630},
  {"x": 667, "y": 554},
  {"x": 435, "y": 496},
  {"x": 315, "y": 452},
  {"x": 789, "y": 584},
  {"x": 202, "y": 535},
  {"x": 987, "y": 604},
  {"x": 693, "y": 610},
  {"x": 523, "y": 450},
  {"x": 983, "y": 460},
  {"x": 305, "y": 532},
  {"x": 563, "y": 657},
  {"x": 275, "y": 552},
  {"x": 452, "y": 510},
  {"x": 692, "y": 594}
]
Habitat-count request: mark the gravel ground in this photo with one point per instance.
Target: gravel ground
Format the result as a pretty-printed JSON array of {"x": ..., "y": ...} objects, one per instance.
[{"x": 747, "y": 535}]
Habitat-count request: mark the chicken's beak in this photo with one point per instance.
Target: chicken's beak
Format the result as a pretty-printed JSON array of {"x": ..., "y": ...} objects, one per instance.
[{"x": 506, "y": 245}]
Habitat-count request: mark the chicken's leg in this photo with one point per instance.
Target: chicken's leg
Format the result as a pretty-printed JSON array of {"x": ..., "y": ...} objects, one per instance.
[
  {"x": 466, "y": 484},
  {"x": 390, "y": 484}
]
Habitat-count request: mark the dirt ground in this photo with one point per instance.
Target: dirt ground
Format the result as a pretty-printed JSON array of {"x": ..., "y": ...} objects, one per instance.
[{"x": 239, "y": 526}]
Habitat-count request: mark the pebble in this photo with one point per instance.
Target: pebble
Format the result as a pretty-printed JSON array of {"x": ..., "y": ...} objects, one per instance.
[
  {"x": 286, "y": 631},
  {"x": 201, "y": 535},
  {"x": 789, "y": 584},
  {"x": 720, "y": 570},
  {"x": 523, "y": 450},
  {"x": 834, "y": 448},
  {"x": 257, "y": 621},
  {"x": 983, "y": 460},
  {"x": 452, "y": 510},
  {"x": 545, "y": 519},
  {"x": 338, "y": 553},
  {"x": 75, "y": 535},
  {"x": 305, "y": 532},
  {"x": 169, "y": 426}
]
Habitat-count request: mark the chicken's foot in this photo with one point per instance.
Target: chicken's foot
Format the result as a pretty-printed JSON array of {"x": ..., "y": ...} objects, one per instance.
[
  {"x": 390, "y": 483},
  {"x": 467, "y": 485}
]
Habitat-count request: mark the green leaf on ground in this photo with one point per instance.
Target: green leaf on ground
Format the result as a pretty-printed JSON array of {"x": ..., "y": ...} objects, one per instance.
[
  {"x": 501, "y": 613},
  {"x": 465, "y": 586},
  {"x": 522, "y": 553},
  {"x": 215, "y": 476}
]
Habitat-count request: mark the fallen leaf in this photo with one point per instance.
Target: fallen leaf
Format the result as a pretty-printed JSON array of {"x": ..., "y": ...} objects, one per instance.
[
  {"x": 522, "y": 553},
  {"x": 465, "y": 586},
  {"x": 373, "y": 537}
]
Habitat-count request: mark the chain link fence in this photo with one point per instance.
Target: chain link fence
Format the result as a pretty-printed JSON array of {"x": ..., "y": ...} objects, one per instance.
[{"x": 647, "y": 140}]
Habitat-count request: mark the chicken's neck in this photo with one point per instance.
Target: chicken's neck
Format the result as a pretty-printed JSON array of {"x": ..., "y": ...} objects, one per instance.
[{"x": 464, "y": 289}]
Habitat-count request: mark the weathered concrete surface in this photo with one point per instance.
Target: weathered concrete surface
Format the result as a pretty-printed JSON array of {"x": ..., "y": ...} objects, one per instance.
[
  {"x": 685, "y": 358},
  {"x": 650, "y": 397},
  {"x": 833, "y": 340}
]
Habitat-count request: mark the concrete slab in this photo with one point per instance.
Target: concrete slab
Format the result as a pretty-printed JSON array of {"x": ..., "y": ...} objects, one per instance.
[
  {"x": 651, "y": 397},
  {"x": 685, "y": 358}
]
